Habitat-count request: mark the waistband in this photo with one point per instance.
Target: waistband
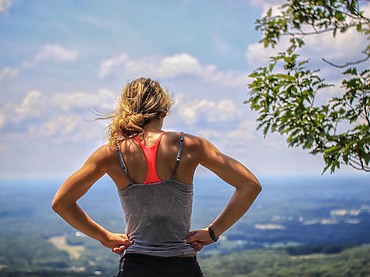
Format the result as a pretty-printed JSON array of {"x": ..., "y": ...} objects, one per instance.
[{"x": 145, "y": 257}]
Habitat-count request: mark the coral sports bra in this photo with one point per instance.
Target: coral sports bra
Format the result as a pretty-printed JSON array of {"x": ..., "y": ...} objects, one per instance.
[{"x": 151, "y": 160}]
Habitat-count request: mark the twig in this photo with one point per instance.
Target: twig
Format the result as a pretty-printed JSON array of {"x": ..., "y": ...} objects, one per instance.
[
  {"x": 309, "y": 33},
  {"x": 348, "y": 63}
]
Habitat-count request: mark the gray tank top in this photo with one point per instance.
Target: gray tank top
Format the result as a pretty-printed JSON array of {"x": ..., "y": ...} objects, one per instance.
[{"x": 158, "y": 216}]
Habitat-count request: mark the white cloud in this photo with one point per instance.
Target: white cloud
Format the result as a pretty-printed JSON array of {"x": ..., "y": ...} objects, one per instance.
[
  {"x": 244, "y": 132},
  {"x": 39, "y": 106},
  {"x": 109, "y": 66},
  {"x": 265, "y": 5},
  {"x": 166, "y": 67},
  {"x": 59, "y": 118},
  {"x": 2, "y": 119},
  {"x": 68, "y": 101},
  {"x": 4, "y": 5},
  {"x": 257, "y": 55},
  {"x": 366, "y": 9},
  {"x": 344, "y": 47},
  {"x": 62, "y": 125},
  {"x": 210, "y": 111},
  {"x": 183, "y": 64},
  {"x": 259, "y": 3},
  {"x": 8, "y": 72},
  {"x": 32, "y": 105},
  {"x": 54, "y": 52},
  {"x": 170, "y": 67}
]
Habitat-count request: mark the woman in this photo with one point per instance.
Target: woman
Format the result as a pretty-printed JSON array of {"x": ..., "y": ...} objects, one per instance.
[{"x": 153, "y": 171}]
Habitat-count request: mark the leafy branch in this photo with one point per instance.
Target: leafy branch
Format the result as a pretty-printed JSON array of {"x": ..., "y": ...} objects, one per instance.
[{"x": 338, "y": 129}]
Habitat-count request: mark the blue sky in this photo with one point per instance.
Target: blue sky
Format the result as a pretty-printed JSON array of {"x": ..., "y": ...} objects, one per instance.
[{"x": 61, "y": 60}]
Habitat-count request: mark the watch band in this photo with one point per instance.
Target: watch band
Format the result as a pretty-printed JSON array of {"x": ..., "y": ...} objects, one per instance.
[{"x": 211, "y": 232}]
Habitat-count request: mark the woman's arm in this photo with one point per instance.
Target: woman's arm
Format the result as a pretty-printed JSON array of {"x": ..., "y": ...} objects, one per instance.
[
  {"x": 65, "y": 203},
  {"x": 234, "y": 173}
]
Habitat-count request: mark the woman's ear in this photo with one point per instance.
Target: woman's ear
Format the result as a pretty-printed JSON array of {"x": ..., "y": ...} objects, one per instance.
[{"x": 163, "y": 114}]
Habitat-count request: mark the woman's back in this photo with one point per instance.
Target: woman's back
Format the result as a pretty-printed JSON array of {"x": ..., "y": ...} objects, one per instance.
[
  {"x": 137, "y": 164},
  {"x": 157, "y": 206}
]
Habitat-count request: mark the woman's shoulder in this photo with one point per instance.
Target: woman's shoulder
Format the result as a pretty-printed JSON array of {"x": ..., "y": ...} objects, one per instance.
[
  {"x": 189, "y": 139},
  {"x": 192, "y": 143},
  {"x": 104, "y": 153}
]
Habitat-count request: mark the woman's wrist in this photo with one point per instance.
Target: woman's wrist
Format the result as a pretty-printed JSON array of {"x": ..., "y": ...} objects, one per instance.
[
  {"x": 103, "y": 236},
  {"x": 212, "y": 234}
]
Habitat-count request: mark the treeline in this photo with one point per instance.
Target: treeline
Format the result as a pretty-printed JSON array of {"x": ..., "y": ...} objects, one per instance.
[
  {"x": 279, "y": 263},
  {"x": 315, "y": 249},
  {"x": 43, "y": 274}
]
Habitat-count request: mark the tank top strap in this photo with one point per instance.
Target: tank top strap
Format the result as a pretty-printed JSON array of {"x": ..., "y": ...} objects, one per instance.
[
  {"x": 178, "y": 158},
  {"x": 123, "y": 165}
]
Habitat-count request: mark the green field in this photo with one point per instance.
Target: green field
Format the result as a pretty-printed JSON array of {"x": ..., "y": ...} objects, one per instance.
[
  {"x": 352, "y": 262},
  {"x": 92, "y": 260}
]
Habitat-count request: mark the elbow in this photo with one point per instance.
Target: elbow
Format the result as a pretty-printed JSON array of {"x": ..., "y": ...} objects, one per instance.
[
  {"x": 251, "y": 188},
  {"x": 256, "y": 187},
  {"x": 259, "y": 187},
  {"x": 58, "y": 205}
]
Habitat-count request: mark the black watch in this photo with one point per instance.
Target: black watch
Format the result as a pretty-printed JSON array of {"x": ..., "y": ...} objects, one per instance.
[{"x": 211, "y": 232}]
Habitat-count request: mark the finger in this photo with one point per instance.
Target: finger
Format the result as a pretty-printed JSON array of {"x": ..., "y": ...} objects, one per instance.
[
  {"x": 119, "y": 249},
  {"x": 114, "y": 250},
  {"x": 191, "y": 238},
  {"x": 124, "y": 240},
  {"x": 197, "y": 246},
  {"x": 127, "y": 242},
  {"x": 192, "y": 233}
]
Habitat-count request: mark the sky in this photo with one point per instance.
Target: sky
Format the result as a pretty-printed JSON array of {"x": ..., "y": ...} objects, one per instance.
[{"x": 63, "y": 62}]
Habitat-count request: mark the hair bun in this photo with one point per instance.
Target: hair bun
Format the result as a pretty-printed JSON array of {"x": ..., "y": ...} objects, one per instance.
[{"x": 141, "y": 101}]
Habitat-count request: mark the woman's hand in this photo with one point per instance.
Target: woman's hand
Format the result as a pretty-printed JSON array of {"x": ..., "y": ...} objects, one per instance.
[
  {"x": 117, "y": 242},
  {"x": 199, "y": 238}
]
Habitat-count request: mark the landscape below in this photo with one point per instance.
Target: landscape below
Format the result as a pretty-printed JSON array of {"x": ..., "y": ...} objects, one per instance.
[{"x": 299, "y": 226}]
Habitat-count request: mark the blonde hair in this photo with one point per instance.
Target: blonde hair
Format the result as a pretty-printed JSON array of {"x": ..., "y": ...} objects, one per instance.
[{"x": 140, "y": 102}]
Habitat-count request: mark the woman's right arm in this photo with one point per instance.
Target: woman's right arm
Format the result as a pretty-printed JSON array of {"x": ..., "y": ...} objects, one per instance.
[
  {"x": 247, "y": 188},
  {"x": 65, "y": 202}
]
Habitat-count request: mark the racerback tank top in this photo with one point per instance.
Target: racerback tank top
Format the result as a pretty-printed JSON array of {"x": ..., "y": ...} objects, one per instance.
[{"x": 158, "y": 216}]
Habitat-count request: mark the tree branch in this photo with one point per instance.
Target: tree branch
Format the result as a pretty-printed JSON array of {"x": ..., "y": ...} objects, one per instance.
[
  {"x": 302, "y": 33},
  {"x": 348, "y": 63},
  {"x": 358, "y": 164}
]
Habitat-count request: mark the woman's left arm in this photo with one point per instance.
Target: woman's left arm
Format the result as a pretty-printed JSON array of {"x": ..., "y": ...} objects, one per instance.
[{"x": 65, "y": 203}]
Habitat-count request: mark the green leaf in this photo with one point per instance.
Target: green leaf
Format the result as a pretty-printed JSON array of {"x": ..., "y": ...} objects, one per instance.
[
  {"x": 269, "y": 12},
  {"x": 359, "y": 27}
]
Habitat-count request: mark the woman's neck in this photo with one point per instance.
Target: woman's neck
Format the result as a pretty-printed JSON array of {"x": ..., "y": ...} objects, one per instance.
[{"x": 154, "y": 126}]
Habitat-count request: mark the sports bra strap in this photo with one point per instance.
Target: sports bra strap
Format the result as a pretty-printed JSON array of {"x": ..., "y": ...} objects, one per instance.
[
  {"x": 123, "y": 165},
  {"x": 178, "y": 158}
]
